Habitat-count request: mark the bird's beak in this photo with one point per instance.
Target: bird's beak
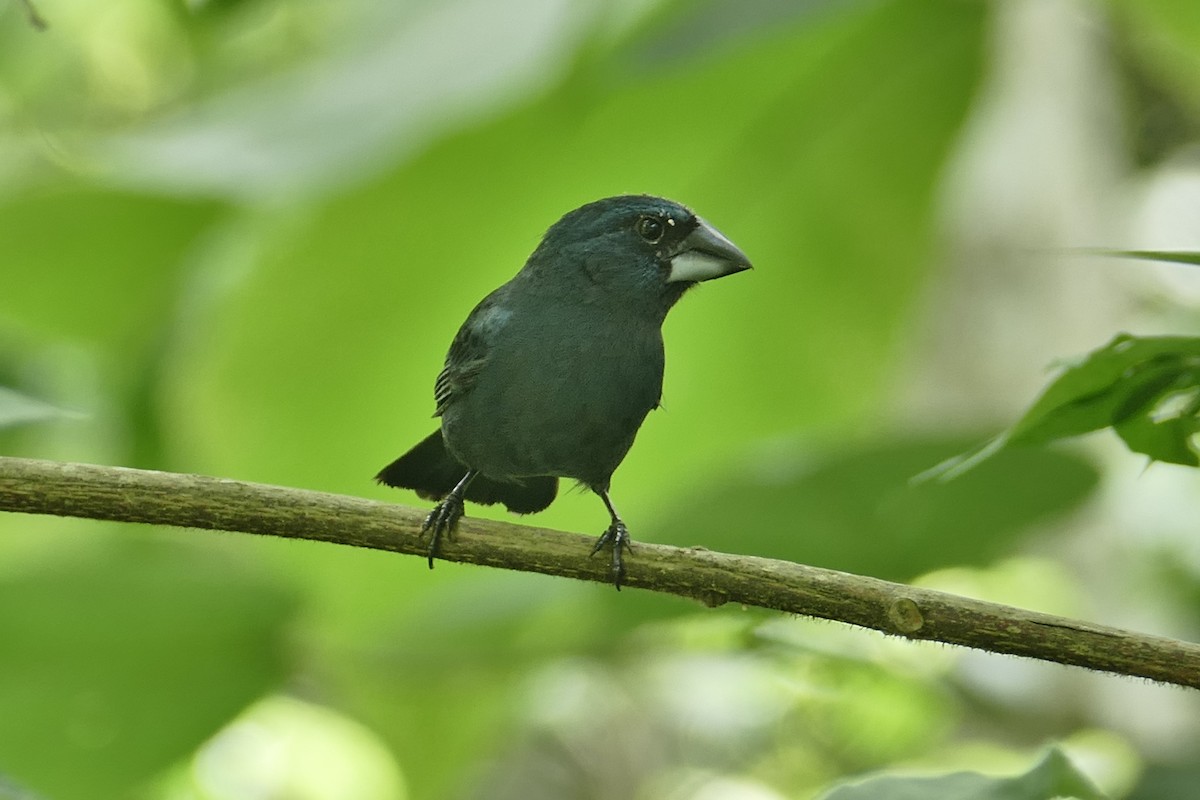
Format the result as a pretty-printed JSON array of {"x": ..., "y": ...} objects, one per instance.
[{"x": 706, "y": 254}]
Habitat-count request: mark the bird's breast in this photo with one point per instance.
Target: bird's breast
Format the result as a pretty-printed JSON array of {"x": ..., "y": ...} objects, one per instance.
[{"x": 559, "y": 400}]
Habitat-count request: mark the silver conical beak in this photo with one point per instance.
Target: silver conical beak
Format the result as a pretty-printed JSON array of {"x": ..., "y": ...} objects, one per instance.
[{"x": 706, "y": 254}]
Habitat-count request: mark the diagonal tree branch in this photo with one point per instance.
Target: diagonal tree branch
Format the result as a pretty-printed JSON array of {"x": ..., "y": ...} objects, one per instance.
[{"x": 192, "y": 501}]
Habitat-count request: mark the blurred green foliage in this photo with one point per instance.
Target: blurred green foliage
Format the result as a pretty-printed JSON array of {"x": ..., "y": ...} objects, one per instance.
[
  {"x": 237, "y": 237},
  {"x": 846, "y": 498},
  {"x": 118, "y": 663}
]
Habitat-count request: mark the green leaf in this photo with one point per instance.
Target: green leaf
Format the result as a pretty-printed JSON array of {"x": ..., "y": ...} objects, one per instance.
[
  {"x": 121, "y": 663},
  {"x": 1054, "y": 777},
  {"x": 21, "y": 409},
  {"x": 1166, "y": 430},
  {"x": 1171, "y": 256},
  {"x": 1109, "y": 384},
  {"x": 1125, "y": 385}
]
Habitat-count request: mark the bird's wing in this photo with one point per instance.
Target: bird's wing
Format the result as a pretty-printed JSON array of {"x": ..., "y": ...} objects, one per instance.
[{"x": 469, "y": 350}]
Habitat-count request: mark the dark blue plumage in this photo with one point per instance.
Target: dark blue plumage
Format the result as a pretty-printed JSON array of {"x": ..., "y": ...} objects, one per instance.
[{"x": 552, "y": 374}]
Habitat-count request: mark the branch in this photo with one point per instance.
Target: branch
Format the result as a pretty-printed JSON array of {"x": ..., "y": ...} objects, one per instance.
[{"x": 193, "y": 501}]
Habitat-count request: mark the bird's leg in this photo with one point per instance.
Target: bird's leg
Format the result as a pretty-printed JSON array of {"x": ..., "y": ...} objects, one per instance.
[
  {"x": 617, "y": 537},
  {"x": 445, "y": 515}
]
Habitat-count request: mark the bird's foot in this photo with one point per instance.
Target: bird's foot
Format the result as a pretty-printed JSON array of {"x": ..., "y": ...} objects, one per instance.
[
  {"x": 616, "y": 537},
  {"x": 442, "y": 521}
]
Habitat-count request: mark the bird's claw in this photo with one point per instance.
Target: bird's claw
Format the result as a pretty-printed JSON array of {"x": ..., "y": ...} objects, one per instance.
[
  {"x": 442, "y": 520},
  {"x": 617, "y": 537}
]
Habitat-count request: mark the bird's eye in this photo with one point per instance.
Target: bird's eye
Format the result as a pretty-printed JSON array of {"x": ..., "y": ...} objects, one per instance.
[{"x": 650, "y": 229}]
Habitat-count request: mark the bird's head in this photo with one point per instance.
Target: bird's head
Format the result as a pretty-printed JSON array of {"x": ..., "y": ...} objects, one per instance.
[{"x": 636, "y": 249}]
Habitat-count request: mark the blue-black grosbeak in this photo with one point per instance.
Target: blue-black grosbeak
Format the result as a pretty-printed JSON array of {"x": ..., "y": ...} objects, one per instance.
[{"x": 552, "y": 374}]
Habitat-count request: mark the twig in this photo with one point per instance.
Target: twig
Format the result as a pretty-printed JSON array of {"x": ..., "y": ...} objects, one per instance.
[
  {"x": 191, "y": 501},
  {"x": 35, "y": 19}
]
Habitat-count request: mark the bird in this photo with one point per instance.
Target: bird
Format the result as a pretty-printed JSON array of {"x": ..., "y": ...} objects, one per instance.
[{"x": 552, "y": 374}]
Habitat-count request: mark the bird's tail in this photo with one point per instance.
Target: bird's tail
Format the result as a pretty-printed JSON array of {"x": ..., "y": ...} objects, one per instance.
[{"x": 430, "y": 471}]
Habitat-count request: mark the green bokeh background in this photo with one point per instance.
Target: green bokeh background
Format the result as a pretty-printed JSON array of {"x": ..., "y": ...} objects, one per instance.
[{"x": 236, "y": 238}]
